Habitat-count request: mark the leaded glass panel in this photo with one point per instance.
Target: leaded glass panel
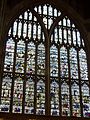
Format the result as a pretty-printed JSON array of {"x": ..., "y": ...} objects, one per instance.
[
  {"x": 40, "y": 110},
  {"x": 29, "y": 95},
  {"x": 31, "y": 58},
  {"x": 63, "y": 62},
  {"x": 83, "y": 65},
  {"x": 18, "y": 93},
  {"x": 20, "y": 57},
  {"x": 6, "y": 93},
  {"x": 54, "y": 94},
  {"x": 9, "y": 55},
  {"x": 76, "y": 111},
  {"x": 65, "y": 99},
  {"x": 53, "y": 61},
  {"x": 73, "y": 63},
  {"x": 86, "y": 100},
  {"x": 41, "y": 59}
]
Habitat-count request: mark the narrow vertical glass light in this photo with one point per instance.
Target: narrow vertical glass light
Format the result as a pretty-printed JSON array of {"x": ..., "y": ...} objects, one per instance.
[
  {"x": 63, "y": 62},
  {"x": 19, "y": 29},
  {"x": 53, "y": 61},
  {"x": 86, "y": 100},
  {"x": 9, "y": 55},
  {"x": 29, "y": 30},
  {"x": 73, "y": 63},
  {"x": 76, "y": 111},
  {"x": 40, "y": 98},
  {"x": 83, "y": 65},
  {"x": 14, "y": 28},
  {"x": 54, "y": 93},
  {"x": 24, "y": 30},
  {"x": 31, "y": 58},
  {"x": 65, "y": 98},
  {"x": 41, "y": 59},
  {"x": 29, "y": 95},
  {"x": 6, "y": 93},
  {"x": 18, "y": 94},
  {"x": 20, "y": 57}
]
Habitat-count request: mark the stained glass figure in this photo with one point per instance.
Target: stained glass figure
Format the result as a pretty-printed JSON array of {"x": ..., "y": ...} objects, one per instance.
[
  {"x": 73, "y": 63},
  {"x": 6, "y": 93},
  {"x": 54, "y": 93},
  {"x": 20, "y": 57},
  {"x": 41, "y": 59},
  {"x": 65, "y": 99},
  {"x": 40, "y": 110},
  {"x": 9, "y": 55},
  {"x": 18, "y": 94},
  {"x": 53, "y": 61},
  {"x": 76, "y": 111},
  {"x": 63, "y": 62},
  {"x": 86, "y": 100},
  {"x": 83, "y": 65},
  {"x": 31, "y": 58},
  {"x": 29, "y": 95}
]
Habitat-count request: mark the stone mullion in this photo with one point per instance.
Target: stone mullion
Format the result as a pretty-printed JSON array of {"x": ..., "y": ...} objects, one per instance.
[{"x": 2, "y": 42}]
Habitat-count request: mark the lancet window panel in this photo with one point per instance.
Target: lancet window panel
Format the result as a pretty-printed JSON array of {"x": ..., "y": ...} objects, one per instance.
[
  {"x": 53, "y": 61},
  {"x": 9, "y": 55},
  {"x": 29, "y": 95},
  {"x": 40, "y": 106},
  {"x": 76, "y": 110},
  {"x": 85, "y": 99},
  {"x": 18, "y": 93},
  {"x": 65, "y": 99},
  {"x": 35, "y": 67},
  {"x": 54, "y": 96},
  {"x": 41, "y": 59},
  {"x": 63, "y": 62},
  {"x": 6, "y": 92}
]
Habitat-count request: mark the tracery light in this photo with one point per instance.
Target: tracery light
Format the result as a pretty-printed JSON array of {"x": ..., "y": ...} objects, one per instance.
[{"x": 24, "y": 78}]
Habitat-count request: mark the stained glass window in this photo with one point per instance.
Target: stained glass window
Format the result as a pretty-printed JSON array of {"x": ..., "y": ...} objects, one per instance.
[{"x": 45, "y": 63}]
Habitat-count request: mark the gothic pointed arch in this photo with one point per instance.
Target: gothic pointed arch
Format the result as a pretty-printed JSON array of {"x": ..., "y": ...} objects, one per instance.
[{"x": 45, "y": 69}]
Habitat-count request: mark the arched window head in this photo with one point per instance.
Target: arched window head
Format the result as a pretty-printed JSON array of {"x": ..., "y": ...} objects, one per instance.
[{"x": 45, "y": 63}]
